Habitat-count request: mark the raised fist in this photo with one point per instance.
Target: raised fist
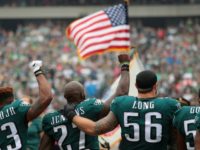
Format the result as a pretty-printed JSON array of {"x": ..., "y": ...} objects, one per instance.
[
  {"x": 123, "y": 58},
  {"x": 36, "y": 66}
]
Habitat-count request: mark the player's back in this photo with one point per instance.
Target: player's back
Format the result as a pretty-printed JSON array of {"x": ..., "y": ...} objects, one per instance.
[
  {"x": 66, "y": 134},
  {"x": 13, "y": 126},
  {"x": 144, "y": 122},
  {"x": 184, "y": 121},
  {"x": 33, "y": 133}
]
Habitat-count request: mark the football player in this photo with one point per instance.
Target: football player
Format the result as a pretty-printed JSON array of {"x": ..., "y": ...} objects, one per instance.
[
  {"x": 15, "y": 115},
  {"x": 145, "y": 120},
  {"x": 184, "y": 122},
  {"x": 61, "y": 130},
  {"x": 197, "y": 123}
]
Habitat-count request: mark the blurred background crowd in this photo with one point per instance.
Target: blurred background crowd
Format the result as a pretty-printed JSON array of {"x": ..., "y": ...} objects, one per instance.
[
  {"x": 171, "y": 49},
  {"x": 167, "y": 40},
  {"x": 25, "y": 3},
  {"x": 173, "y": 52}
]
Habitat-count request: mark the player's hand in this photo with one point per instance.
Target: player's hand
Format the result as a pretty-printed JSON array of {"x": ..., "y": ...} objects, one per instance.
[
  {"x": 123, "y": 58},
  {"x": 124, "y": 61},
  {"x": 36, "y": 67},
  {"x": 69, "y": 111}
]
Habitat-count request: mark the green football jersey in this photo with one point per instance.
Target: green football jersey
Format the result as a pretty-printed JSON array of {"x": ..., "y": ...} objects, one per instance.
[
  {"x": 144, "y": 122},
  {"x": 66, "y": 134},
  {"x": 184, "y": 121},
  {"x": 13, "y": 126},
  {"x": 197, "y": 121},
  {"x": 34, "y": 130}
]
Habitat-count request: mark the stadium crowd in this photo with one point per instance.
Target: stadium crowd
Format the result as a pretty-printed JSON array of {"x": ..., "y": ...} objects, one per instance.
[
  {"x": 172, "y": 52},
  {"x": 25, "y": 3}
]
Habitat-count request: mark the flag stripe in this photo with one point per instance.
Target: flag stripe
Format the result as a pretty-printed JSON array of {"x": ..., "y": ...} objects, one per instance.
[
  {"x": 84, "y": 25},
  {"x": 93, "y": 28},
  {"x": 76, "y": 23},
  {"x": 104, "y": 32},
  {"x": 105, "y": 46},
  {"x": 108, "y": 37},
  {"x": 113, "y": 48},
  {"x": 103, "y": 42}
]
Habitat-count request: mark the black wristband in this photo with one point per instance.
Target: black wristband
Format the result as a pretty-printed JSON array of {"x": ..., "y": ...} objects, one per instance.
[
  {"x": 38, "y": 72},
  {"x": 125, "y": 67},
  {"x": 71, "y": 115}
]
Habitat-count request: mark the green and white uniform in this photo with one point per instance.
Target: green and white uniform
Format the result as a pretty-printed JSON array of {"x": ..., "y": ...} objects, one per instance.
[
  {"x": 66, "y": 134},
  {"x": 13, "y": 126},
  {"x": 144, "y": 122},
  {"x": 184, "y": 121},
  {"x": 197, "y": 121},
  {"x": 34, "y": 131}
]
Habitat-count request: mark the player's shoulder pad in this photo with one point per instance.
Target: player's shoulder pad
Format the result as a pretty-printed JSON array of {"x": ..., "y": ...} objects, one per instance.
[
  {"x": 98, "y": 102},
  {"x": 172, "y": 102},
  {"x": 92, "y": 101},
  {"x": 179, "y": 111},
  {"x": 48, "y": 116},
  {"x": 122, "y": 99},
  {"x": 24, "y": 104},
  {"x": 19, "y": 102}
]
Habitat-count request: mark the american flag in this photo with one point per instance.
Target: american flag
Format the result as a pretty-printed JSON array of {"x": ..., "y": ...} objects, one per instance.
[{"x": 103, "y": 31}]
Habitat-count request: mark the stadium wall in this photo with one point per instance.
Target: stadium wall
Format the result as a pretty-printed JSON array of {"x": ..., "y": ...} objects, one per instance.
[{"x": 77, "y": 11}]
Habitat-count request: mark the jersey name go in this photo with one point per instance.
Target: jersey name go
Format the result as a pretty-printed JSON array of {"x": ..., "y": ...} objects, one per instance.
[
  {"x": 143, "y": 105},
  {"x": 7, "y": 113},
  {"x": 194, "y": 110}
]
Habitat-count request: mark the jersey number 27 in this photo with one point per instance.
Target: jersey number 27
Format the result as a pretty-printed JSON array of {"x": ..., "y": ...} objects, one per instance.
[{"x": 63, "y": 136}]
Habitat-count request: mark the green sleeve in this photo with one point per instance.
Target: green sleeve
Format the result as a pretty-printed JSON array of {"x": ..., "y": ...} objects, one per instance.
[
  {"x": 38, "y": 123},
  {"x": 45, "y": 124},
  {"x": 197, "y": 121},
  {"x": 174, "y": 106},
  {"x": 114, "y": 106},
  {"x": 177, "y": 123},
  {"x": 22, "y": 108},
  {"x": 98, "y": 106},
  {"x": 175, "y": 120}
]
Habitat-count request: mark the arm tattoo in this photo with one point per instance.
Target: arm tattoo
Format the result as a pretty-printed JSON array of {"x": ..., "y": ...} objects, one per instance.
[{"x": 106, "y": 124}]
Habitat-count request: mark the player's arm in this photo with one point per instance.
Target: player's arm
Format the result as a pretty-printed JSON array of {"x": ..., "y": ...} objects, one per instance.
[
  {"x": 180, "y": 141},
  {"x": 172, "y": 139},
  {"x": 46, "y": 143},
  {"x": 197, "y": 140},
  {"x": 123, "y": 85},
  {"x": 90, "y": 127},
  {"x": 45, "y": 95}
]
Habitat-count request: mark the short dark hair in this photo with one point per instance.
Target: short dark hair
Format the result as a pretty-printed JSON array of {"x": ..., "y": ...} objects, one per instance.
[
  {"x": 145, "y": 80},
  {"x": 6, "y": 92}
]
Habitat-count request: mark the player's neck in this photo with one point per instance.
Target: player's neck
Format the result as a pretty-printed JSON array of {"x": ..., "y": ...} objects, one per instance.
[
  {"x": 147, "y": 95},
  {"x": 6, "y": 102},
  {"x": 2, "y": 104}
]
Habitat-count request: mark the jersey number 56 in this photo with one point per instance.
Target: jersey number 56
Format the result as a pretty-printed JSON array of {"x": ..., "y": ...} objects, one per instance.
[{"x": 148, "y": 127}]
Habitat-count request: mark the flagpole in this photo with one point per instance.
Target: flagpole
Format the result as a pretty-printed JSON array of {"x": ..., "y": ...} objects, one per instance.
[{"x": 126, "y": 4}]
